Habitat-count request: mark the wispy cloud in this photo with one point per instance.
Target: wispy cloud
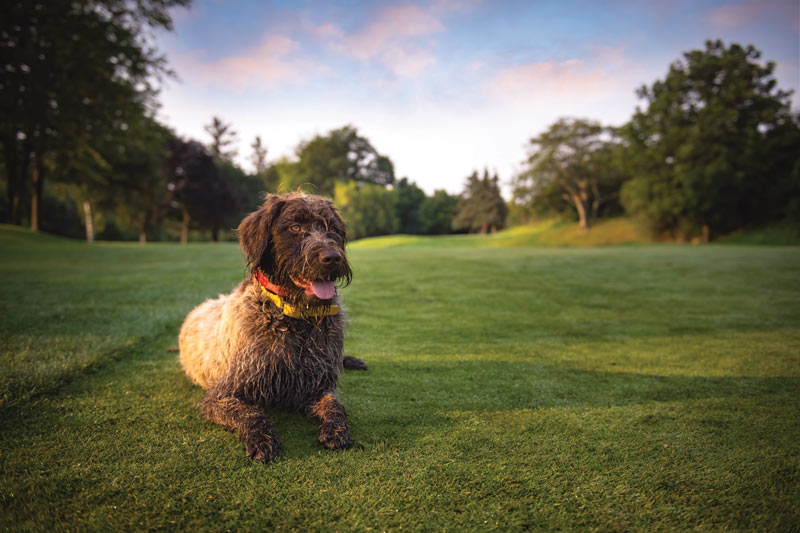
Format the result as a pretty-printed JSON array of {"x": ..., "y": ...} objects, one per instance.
[
  {"x": 732, "y": 16},
  {"x": 600, "y": 75},
  {"x": 398, "y": 37},
  {"x": 270, "y": 63},
  {"x": 548, "y": 80}
]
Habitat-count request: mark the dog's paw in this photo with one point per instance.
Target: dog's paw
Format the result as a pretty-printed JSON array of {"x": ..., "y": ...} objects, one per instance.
[
  {"x": 335, "y": 437},
  {"x": 262, "y": 447},
  {"x": 353, "y": 363}
]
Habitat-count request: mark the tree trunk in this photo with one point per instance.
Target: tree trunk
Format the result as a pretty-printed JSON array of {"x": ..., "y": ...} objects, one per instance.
[
  {"x": 185, "y": 227},
  {"x": 88, "y": 221},
  {"x": 215, "y": 234},
  {"x": 581, "y": 208},
  {"x": 706, "y": 234},
  {"x": 578, "y": 196},
  {"x": 35, "y": 201},
  {"x": 36, "y": 198},
  {"x": 143, "y": 228}
]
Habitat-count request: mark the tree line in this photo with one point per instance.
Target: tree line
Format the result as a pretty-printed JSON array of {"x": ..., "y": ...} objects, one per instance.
[
  {"x": 83, "y": 152},
  {"x": 714, "y": 148}
]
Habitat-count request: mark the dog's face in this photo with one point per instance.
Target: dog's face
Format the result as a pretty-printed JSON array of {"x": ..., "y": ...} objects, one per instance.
[{"x": 298, "y": 241}]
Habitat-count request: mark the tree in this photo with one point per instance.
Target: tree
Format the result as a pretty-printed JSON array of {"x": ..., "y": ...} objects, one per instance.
[
  {"x": 341, "y": 156},
  {"x": 198, "y": 189},
  {"x": 248, "y": 189},
  {"x": 367, "y": 209},
  {"x": 716, "y": 147},
  {"x": 268, "y": 174},
  {"x": 72, "y": 70},
  {"x": 572, "y": 162},
  {"x": 407, "y": 207},
  {"x": 222, "y": 137},
  {"x": 437, "y": 212},
  {"x": 259, "y": 156},
  {"x": 480, "y": 206},
  {"x": 119, "y": 175},
  {"x": 137, "y": 181}
]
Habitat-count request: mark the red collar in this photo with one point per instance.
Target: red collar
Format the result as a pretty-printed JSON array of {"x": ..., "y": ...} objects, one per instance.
[
  {"x": 274, "y": 293},
  {"x": 267, "y": 284}
]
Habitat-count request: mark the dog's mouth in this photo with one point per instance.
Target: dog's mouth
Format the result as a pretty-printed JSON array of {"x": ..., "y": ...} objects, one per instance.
[{"x": 322, "y": 289}]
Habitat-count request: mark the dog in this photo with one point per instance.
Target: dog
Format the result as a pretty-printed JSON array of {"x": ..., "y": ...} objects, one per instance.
[{"x": 276, "y": 340}]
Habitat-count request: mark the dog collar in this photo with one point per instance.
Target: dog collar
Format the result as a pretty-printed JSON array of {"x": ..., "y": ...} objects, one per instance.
[{"x": 274, "y": 293}]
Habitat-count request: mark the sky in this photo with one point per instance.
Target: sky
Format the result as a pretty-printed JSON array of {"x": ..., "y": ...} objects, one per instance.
[{"x": 442, "y": 87}]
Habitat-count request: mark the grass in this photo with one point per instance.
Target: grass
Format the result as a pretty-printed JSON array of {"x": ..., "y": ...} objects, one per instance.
[
  {"x": 550, "y": 232},
  {"x": 780, "y": 235},
  {"x": 510, "y": 388}
]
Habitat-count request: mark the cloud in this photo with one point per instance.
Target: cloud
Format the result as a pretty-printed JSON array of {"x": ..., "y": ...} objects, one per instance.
[
  {"x": 270, "y": 63},
  {"x": 548, "y": 79},
  {"x": 587, "y": 83},
  {"x": 732, "y": 16},
  {"x": 326, "y": 31},
  {"x": 396, "y": 37}
]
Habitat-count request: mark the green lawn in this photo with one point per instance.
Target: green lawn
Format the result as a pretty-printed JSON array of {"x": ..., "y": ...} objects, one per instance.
[{"x": 639, "y": 387}]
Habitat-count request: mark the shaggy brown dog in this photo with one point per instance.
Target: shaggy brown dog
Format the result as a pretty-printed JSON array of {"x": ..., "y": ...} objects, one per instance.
[{"x": 276, "y": 340}]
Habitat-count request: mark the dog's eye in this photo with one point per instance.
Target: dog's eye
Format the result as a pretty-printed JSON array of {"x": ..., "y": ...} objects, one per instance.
[{"x": 295, "y": 227}]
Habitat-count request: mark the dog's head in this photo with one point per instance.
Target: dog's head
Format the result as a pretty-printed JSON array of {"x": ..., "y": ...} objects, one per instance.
[{"x": 298, "y": 241}]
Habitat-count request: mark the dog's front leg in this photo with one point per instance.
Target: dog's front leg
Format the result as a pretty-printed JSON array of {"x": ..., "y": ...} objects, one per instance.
[
  {"x": 333, "y": 432},
  {"x": 223, "y": 406}
]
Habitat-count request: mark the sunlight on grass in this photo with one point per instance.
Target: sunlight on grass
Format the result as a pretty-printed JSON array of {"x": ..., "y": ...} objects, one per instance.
[{"x": 550, "y": 232}]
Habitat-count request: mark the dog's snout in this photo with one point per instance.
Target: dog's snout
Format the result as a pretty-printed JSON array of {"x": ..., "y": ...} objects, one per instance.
[{"x": 330, "y": 256}]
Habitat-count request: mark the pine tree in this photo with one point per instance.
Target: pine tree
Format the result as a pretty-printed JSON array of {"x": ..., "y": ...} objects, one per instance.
[
  {"x": 481, "y": 206},
  {"x": 222, "y": 137}
]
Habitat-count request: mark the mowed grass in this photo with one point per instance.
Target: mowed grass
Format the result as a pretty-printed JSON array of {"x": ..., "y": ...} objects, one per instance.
[
  {"x": 548, "y": 232},
  {"x": 510, "y": 388}
]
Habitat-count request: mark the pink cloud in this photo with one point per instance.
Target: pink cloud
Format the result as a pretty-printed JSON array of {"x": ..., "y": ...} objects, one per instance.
[
  {"x": 731, "y": 16},
  {"x": 326, "y": 31},
  {"x": 395, "y": 38},
  {"x": 597, "y": 78},
  {"x": 734, "y": 15},
  {"x": 548, "y": 79},
  {"x": 268, "y": 64}
]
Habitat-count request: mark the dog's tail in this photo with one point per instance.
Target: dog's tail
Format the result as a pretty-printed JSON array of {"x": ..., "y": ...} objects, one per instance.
[{"x": 353, "y": 363}]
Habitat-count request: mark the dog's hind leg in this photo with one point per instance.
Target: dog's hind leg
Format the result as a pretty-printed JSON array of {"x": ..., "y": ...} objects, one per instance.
[
  {"x": 227, "y": 409},
  {"x": 333, "y": 432}
]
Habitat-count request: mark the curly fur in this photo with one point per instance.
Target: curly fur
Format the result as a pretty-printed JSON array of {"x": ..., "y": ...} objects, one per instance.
[{"x": 249, "y": 355}]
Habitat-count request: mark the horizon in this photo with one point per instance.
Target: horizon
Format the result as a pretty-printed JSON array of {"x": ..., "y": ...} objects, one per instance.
[{"x": 442, "y": 88}]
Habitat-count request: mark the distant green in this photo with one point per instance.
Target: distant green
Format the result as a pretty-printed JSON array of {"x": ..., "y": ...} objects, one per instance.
[{"x": 511, "y": 388}]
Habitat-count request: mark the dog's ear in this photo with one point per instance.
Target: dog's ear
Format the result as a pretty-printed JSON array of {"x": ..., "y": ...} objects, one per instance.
[{"x": 254, "y": 231}]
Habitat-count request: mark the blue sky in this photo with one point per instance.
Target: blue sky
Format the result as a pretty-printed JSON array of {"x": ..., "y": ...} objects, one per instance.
[{"x": 442, "y": 87}]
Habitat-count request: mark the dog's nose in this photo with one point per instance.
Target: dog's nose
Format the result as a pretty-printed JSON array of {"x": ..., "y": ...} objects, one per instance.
[{"x": 330, "y": 256}]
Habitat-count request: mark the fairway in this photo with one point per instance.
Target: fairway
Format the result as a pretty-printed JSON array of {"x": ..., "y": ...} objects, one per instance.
[{"x": 510, "y": 388}]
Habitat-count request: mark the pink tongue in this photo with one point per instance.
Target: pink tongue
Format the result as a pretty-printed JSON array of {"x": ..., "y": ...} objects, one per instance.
[{"x": 324, "y": 290}]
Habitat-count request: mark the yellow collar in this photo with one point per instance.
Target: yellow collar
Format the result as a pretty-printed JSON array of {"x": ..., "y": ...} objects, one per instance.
[{"x": 295, "y": 312}]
